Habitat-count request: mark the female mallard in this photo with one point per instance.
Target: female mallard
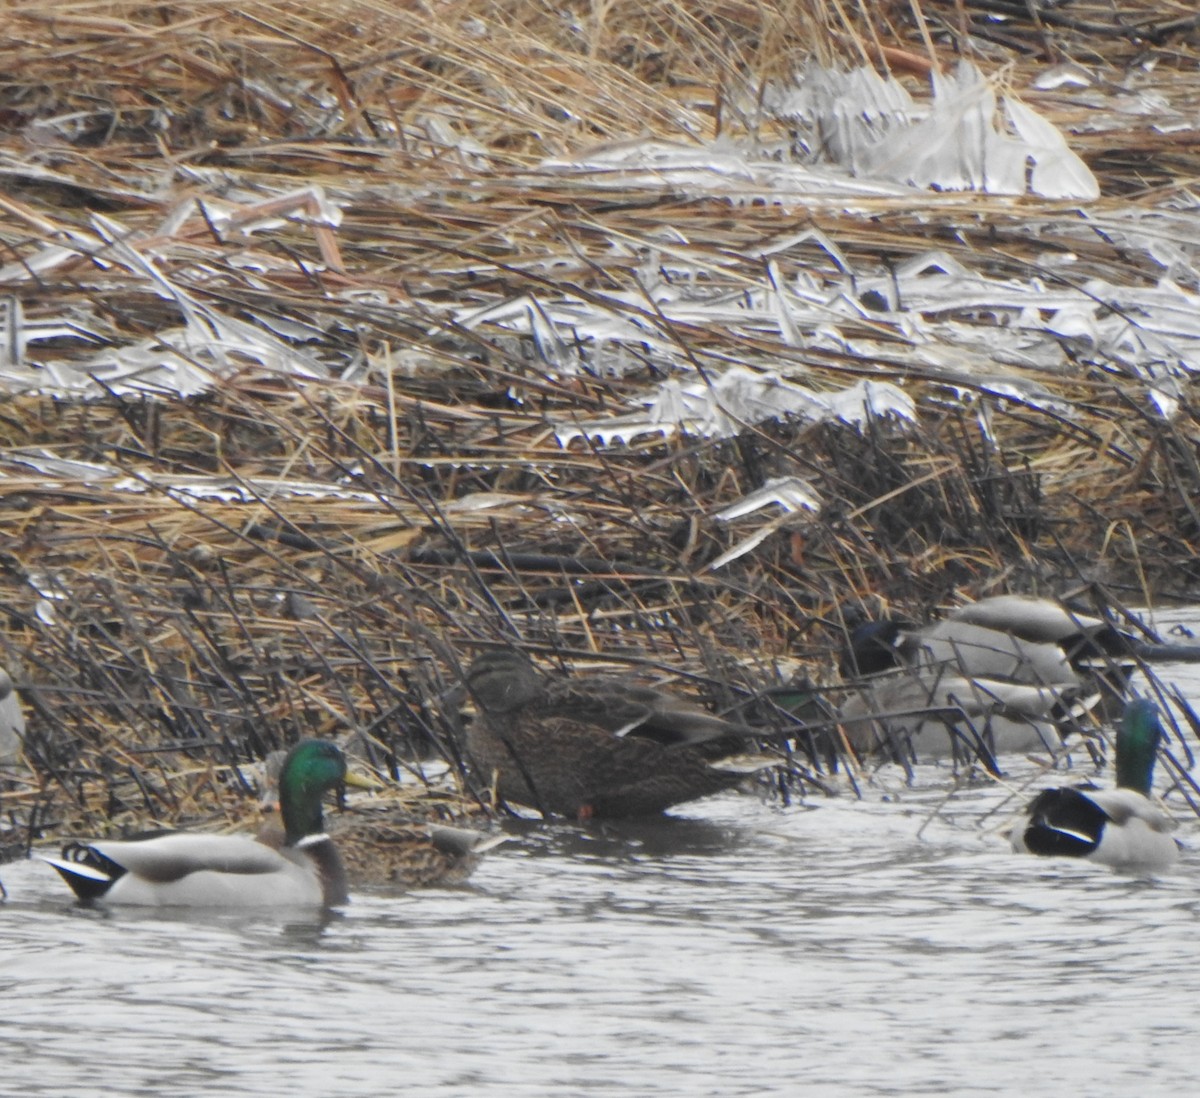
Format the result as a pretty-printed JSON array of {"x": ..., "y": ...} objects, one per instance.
[
  {"x": 201, "y": 870},
  {"x": 1011, "y": 671},
  {"x": 1121, "y": 827},
  {"x": 379, "y": 849},
  {"x": 388, "y": 845},
  {"x": 597, "y": 746}
]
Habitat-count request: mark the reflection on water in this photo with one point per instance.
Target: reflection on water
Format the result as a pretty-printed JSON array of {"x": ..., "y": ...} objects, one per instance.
[{"x": 744, "y": 950}]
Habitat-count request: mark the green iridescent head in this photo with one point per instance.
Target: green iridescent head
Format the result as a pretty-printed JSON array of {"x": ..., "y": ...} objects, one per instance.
[
  {"x": 312, "y": 769},
  {"x": 1137, "y": 745}
]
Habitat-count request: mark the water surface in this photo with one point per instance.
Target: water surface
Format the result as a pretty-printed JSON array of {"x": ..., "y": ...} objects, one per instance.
[{"x": 888, "y": 946}]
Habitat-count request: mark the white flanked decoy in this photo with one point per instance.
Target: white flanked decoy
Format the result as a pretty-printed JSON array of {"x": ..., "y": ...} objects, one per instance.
[
  {"x": 1004, "y": 674},
  {"x": 1119, "y": 827},
  {"x": 12, "y": 722},
  {"x": 931, "y": 714},
  {"x": 196, "y": 869}
]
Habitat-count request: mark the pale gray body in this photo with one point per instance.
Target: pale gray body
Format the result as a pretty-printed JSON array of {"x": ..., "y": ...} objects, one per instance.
[
  {"x": 12, "y": 722},
  {"x": 1136, "y": 839},
  {"x": 195, "y": 869},
  {"x": 198, "y": 870},
  {"x": 916, "y": 712},
  {"x": 1121, "y": 827},
  {"x": 993, "y": 672}
]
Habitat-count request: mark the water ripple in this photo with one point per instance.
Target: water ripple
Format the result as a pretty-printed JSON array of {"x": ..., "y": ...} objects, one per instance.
[{"x": 743, "y": 951}]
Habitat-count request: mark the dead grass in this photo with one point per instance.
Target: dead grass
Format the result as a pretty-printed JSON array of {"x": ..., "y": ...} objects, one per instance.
[{"x": 177, "y": 612}]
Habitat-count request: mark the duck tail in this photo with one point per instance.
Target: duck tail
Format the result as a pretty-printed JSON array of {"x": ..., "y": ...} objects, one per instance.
[
  {"x": 89, "y": 873},
  {"x": 1064, "y": 822},
  {"x": 463, "y": 841}
]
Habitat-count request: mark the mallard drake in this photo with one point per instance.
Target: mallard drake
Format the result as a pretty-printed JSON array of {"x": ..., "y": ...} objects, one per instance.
[
  {"x": 1010, "y": 671},
  {"x": 1120, "y": 827},
  {"x": 594, "y": 746},
  {"x": 195, "y": 869}
]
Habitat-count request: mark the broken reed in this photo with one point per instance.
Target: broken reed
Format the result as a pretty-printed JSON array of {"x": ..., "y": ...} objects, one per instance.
[
  {"x": 165, "y": 632},
  {"x": 159, "y": 633}
]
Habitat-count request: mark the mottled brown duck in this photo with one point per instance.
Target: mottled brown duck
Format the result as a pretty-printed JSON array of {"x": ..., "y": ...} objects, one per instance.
[
  {"x": 379, "y": 848},
  {"x": 595, "y": 746},
  {"x": 383, "y": 848},
  {"x": 382, "y": 844}
]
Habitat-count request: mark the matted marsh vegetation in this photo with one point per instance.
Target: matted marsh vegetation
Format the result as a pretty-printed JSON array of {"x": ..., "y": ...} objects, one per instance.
[{"x": 343, "y": 340}]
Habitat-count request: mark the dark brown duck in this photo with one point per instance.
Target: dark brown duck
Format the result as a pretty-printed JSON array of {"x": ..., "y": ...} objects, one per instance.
[{"x": 597, "y": 745}]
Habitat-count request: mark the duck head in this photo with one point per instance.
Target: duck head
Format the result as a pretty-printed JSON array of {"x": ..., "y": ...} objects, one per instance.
[
  {"x": 1138, "y": 736},
  {"x": 311, "y": 769},
  {"x": 874, "y": 647},
  {"x": 503, "y": 681}
]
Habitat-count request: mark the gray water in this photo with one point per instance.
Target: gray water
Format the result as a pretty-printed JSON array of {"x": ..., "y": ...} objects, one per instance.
[{"x": 857, "y": 947}]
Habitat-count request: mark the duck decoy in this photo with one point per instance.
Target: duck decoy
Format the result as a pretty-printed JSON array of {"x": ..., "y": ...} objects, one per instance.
[
  {"x": 197, "y": 869},
  {"x": 12, "y": 722},
  {"x": 929, "y": 714},
  {"x": 595, "y": 746},
  {"x": 1120, "y": 827},
  {"x": 1011, "y": 671}
]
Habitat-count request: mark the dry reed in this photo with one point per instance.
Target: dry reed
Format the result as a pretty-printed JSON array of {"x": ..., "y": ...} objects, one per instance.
[{"x": 184, "y": 605}]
